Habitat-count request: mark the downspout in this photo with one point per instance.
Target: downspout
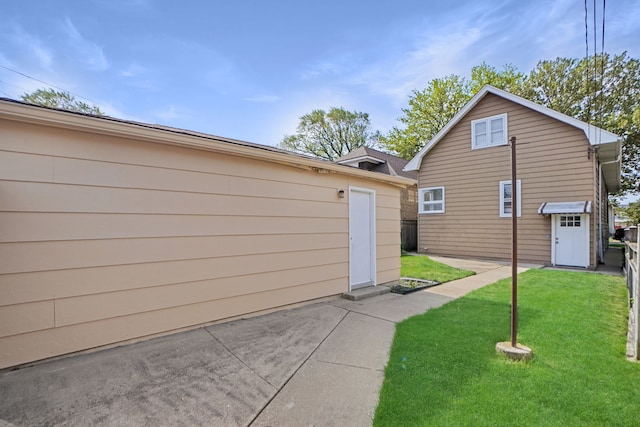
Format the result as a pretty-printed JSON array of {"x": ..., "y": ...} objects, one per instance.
[{"x": 600, "y": 243}]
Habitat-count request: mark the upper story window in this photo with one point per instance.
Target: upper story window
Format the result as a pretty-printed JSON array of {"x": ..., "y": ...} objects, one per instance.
[
  {"x": 489, "y": 132},
  {"x": 431, "y": 200},
  {"x": 506, "y": 199}
]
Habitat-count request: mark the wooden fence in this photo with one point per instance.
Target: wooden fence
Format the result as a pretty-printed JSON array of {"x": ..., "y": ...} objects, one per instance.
[
  {"x": 409, "y": 235},
  {"x": 632, "y": 271}
]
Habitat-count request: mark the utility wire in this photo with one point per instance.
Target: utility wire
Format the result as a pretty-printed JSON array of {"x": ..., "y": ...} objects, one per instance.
[
  {"x": 602, "y": 57},
  {"x": 586, "y": 68},
  {"x": 48, "y": 84},
  {"x": 604, "y": 7},
  {"x": 594, "y": 90}
]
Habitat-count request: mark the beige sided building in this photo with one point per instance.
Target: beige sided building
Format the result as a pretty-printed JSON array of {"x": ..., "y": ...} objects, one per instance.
[
  {"x": 113, "y": 230},
  {"x": 566, "y": 169}
]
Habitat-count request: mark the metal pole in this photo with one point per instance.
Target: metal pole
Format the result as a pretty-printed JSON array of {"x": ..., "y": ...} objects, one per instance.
[{"x": 514, "y": 246}]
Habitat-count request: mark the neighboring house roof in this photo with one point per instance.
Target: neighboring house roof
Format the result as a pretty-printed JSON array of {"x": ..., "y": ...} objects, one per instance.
[
  {"x": 610, "y": 144},
  {"x": 379, "y": 161},
  {"x": 24, "y": 112}
]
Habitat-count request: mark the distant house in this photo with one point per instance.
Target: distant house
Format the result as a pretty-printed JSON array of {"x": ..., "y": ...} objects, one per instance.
[
  {"x": 566, "y": 169},
  {"x": 377, "y": 161},
  {"x": 112, "y": 230}
]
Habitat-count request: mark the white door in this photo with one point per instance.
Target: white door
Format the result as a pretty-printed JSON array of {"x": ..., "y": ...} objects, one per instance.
[
  {"x": 571, "y": 240},
  {"x": 362, "y": 238}
]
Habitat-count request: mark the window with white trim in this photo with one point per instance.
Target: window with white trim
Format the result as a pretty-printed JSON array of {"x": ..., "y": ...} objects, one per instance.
[
  {"x": 506, "y": 199},
  {"x": 489, "y": 132},
  {"x": 431, "y": 200}
]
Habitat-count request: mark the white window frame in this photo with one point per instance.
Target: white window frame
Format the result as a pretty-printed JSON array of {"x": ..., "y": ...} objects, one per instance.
[
  {"x": 504, "y": 214},
  {"x": 421, "y": 202},
  {"x": 487, "y": 121}
]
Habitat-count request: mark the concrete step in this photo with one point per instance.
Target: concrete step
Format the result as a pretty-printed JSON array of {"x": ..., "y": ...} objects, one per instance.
[{"x": 368, "y": 292}]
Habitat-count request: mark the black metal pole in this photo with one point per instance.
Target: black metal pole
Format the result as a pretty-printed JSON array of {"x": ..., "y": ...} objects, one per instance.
[{"x": 514, "y": 246}]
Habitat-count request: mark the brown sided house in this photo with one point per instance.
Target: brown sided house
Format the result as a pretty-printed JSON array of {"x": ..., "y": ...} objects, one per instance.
[
  {"x": 368, "y": 158},
  {"x": 566, "y": 169},
  {"x": 113, "y": 230}
]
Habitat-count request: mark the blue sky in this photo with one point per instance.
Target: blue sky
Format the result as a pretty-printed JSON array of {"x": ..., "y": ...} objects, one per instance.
[{"x": 248, "y": 69}]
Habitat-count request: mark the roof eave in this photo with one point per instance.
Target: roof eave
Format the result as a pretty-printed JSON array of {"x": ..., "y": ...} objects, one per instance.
[
  {"x": 595, "y": 135},
  {"x": 416, "y": 161},
  {"x": 27, "y": 113}
]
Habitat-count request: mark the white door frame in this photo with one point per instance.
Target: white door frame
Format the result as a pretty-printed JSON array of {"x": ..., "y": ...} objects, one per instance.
[
  {"x": 367, "y": 255},
  {"x": 584, "y": 256}
]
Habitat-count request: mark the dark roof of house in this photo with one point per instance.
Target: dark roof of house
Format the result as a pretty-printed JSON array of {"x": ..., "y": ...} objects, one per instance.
[{"x": 390, "y": 164}]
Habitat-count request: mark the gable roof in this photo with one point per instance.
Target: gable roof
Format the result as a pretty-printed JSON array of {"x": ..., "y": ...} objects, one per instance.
[
  {"x": 383, "y": 162},
  {"x": 11, "y": 109},
  {"x": 609, "y": 143}
]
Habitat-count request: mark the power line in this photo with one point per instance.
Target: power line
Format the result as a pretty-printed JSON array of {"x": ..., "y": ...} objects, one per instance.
[
  {"x": 594, "y": 70},
  {"x": 48, "y": 84},
  {"x": 602, "y": 57},
  {"x": 604, "y": 7},
  {"x": 586, "y": 68}
]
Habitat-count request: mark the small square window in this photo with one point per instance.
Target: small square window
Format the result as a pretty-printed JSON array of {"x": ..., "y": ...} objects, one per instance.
[
  {"x": 489, "y": 132},
  {"x": 570, "y": 220},
  {"x": 431, "y": 200}
]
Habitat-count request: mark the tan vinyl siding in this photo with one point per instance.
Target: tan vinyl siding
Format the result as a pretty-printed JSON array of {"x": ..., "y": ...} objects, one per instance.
[
  {"x": 553, "y": 165},
  {"x": 105, "y": 239}
]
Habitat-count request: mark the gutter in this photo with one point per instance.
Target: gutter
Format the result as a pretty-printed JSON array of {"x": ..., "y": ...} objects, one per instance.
[{"x": 600, "y": 242}]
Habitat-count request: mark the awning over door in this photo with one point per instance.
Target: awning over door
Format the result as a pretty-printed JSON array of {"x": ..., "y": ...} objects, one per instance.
[{"x": 548, "y": 208}]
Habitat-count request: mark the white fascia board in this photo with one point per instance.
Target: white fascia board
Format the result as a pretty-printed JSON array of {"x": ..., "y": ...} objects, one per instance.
[
  {"x": 357, "y": 160},
  {"x": 595, "y": 135},
  {"x": 414, "y": 164}
]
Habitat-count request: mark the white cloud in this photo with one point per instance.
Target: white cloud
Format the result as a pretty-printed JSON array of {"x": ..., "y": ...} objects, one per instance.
[
  {"x": 132, "y": 70},
  {"x": 432, "y": 54},
  {"x": 164, "y": 58},
  {"x": 30, "y": 44},
  {"x": 322, "y": 68},
  {"x": 265, "y": 99},
  {"x": 170, "y": 113},
  {"x": 88, "y": 52}
]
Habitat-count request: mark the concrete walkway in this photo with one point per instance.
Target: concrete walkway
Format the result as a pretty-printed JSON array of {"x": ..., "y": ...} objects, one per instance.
[{"x": 321, "y": 364}]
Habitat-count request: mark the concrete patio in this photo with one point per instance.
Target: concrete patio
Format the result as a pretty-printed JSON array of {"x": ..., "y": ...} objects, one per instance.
[{"x": 319, "y": 364}]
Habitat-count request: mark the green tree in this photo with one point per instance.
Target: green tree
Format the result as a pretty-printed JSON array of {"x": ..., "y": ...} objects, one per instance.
[
  {"x": 509, "y": 79},
  {"x": 429, "y": 111},
  {"x": 432, "y": 108},
  {"x": 632, "y": 212},
  {"x": 60, "y": 99},
  {"x": 331, "y": 134},
  {"x": 603, "y": 90}
]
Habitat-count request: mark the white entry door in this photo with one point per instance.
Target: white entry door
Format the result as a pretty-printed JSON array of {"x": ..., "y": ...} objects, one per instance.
[
  {"x": 362, "y": 238},
  {"x": 571, "y": 240}
]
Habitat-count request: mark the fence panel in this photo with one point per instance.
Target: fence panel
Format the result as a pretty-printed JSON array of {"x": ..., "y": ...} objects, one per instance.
[
  {"x": 632, "y": 270},
  {"x": 409, "y": 235}
]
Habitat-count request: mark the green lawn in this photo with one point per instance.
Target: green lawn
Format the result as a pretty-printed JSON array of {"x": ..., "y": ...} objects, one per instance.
[
  {"x": 443, "y": 369},
  {"x": 423, "y": 267}
]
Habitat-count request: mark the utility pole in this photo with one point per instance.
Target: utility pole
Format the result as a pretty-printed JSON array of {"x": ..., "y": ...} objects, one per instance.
[
  {"x": 512, "y": 349},
  {"x": 514, "y": 245}
]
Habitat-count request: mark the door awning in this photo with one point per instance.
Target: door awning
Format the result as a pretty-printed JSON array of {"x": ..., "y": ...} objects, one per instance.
[{"x": 549, "y": 208}]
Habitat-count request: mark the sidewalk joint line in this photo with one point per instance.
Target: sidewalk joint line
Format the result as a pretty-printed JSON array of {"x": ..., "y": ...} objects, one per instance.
[
  {"x": 278, "y": 390},
  {"x": 238, "y": 359}
]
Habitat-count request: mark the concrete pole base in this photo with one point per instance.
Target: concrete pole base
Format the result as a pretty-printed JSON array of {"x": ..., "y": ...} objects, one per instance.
[{"x": 519, "y": 352}]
